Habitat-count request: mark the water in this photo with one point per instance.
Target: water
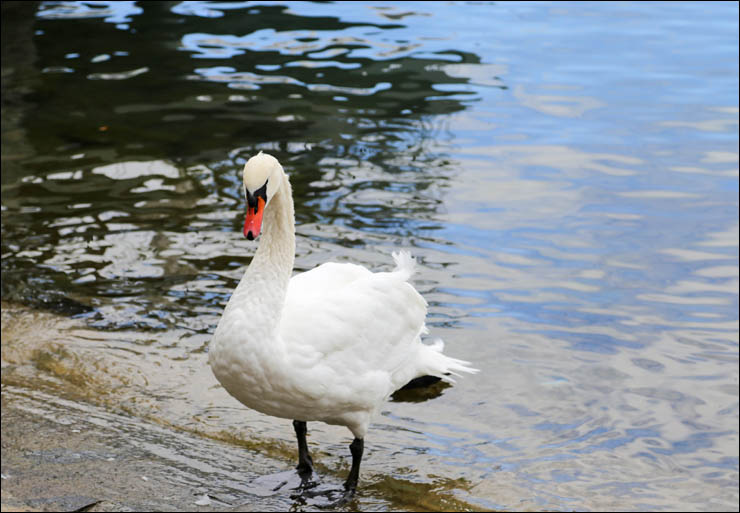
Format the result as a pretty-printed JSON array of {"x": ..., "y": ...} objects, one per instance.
[{"x": 566, "y": 174}]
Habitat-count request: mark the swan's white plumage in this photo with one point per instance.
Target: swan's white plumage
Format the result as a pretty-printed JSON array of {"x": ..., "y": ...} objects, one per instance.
[{"x": 329, "y": 344}]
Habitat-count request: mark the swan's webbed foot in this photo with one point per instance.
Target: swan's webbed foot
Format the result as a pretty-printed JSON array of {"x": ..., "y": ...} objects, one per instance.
[{"x": 308, "y": 482}]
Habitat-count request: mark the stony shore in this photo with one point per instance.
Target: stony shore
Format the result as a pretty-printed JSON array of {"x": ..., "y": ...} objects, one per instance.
[{"x": 59, "y": 455}]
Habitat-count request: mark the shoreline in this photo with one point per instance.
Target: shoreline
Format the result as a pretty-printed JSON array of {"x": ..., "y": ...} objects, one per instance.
[
  {"x": 86, "y": 429},
  {"x": 62, "y": 455}
]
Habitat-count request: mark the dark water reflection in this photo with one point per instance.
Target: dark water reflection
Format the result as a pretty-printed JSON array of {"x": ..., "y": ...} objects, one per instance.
[
  {"x": 567, "y": 175},
  {"x": 103, "y": 109}
]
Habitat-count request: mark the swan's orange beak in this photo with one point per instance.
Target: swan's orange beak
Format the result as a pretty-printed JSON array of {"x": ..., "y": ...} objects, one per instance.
[{"x": 253, "y": 222}]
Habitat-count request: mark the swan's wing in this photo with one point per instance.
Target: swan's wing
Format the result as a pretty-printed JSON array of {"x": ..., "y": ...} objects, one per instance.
[
  {"x": 356, "y": 327},
  {"x": 323, "y": 279}
]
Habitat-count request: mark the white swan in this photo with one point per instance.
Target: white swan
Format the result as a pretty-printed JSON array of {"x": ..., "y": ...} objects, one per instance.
[{"x": 330, "y": 344}]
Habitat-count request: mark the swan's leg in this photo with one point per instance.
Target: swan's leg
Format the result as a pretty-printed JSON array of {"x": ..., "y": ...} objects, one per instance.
[
  {"x": 350, "y": 485},
  {"x": 356, "y": 448},
  {"x": 305, "y": 463}
]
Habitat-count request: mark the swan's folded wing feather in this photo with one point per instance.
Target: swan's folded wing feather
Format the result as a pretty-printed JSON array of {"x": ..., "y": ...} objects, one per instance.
[
  {"x": 325, "y": 278},
  {"x": 359, "y": 326}
]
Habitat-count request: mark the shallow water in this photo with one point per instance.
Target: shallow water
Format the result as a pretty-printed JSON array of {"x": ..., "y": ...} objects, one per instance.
[{"x": 566, "y": 174}]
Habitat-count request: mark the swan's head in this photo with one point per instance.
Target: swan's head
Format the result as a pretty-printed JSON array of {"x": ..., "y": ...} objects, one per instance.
[{"x": 262, "y": 177}]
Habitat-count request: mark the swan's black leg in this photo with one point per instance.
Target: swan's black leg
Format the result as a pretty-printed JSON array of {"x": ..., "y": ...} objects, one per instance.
[
  {"x": 356, "y": 448},
  {"x": 350, "y": 485},
  {"x": 305, "y": 463}
]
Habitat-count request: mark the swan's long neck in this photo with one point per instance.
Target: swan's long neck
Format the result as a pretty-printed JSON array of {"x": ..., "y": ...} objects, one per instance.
[{"x": 261, "y": 292}]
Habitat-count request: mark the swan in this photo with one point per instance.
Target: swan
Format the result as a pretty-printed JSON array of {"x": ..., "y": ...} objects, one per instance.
[{"x": 330, "y": 344}]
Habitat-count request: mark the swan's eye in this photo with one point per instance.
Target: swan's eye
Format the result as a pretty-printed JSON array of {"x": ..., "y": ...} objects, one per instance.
[{"x": 252, "y": 198}]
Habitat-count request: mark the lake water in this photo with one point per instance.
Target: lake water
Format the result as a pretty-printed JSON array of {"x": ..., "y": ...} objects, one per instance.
[{"x": 565, "y": 173}]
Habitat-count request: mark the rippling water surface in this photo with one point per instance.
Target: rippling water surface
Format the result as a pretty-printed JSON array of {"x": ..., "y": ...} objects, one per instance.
[{"x": 566, "y": 174}]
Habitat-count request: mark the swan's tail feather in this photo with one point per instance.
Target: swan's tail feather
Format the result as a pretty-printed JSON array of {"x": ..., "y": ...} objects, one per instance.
[
  {"x": 432, "y": 362},
  {"x": 438, "y": 364},
  {"x": 405, "y": 264}
]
